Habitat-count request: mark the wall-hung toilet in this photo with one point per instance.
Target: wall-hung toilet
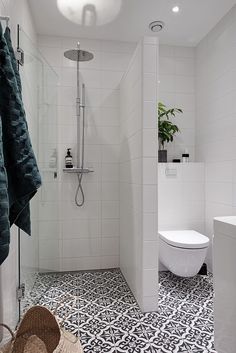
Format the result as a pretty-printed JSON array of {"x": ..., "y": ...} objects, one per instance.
[{"x": 182, "y": 251}]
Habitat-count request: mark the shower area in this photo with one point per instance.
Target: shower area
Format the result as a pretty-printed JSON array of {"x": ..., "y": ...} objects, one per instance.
[
  {"x": 98, "y": 99},
  {"x": 77, "y": 55}
]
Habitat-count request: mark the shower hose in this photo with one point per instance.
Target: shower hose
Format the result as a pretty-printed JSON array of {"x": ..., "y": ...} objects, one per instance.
[{"x": 79, "y": 189}]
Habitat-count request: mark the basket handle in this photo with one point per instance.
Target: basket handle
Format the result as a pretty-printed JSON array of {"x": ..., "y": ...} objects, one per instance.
[{"x": 9, "y": 329}]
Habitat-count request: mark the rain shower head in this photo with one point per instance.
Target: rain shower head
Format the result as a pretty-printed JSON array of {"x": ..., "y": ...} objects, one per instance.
[{"x": 78, "y": 55}]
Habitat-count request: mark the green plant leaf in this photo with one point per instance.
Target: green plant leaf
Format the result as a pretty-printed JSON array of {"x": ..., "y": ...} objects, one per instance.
[{"x": 167, "y": 129}]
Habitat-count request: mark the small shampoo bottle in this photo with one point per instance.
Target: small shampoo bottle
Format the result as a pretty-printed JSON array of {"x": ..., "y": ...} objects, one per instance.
[
  {"x": 185, "y": 156},
  {"x": 68, "y": 159}
]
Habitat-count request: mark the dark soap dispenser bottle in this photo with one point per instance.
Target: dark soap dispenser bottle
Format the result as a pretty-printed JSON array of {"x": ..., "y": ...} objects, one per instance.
[{"x": 68, "y": 159}]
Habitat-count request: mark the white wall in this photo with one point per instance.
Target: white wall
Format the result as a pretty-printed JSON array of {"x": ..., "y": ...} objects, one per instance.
[
  {"x": 138, "y": 175},
  {"x": 131, "y": 174},
  {"x": 89, "y": 236},
  {"x": 177, "y": 89},
  {"x": 181, "y": 197},
  {"x": 216, "y": 118},
  {"x": 19, "y": 13}
]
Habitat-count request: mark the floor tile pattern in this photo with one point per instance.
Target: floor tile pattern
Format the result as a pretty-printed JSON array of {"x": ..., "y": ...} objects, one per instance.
[{"x": 99, "y": 307}]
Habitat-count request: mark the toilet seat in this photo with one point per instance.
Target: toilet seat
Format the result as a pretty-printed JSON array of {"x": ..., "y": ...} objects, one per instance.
[{"x": 185, "y": 239}]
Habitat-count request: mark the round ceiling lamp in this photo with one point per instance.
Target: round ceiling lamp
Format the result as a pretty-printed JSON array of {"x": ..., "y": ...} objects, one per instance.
[{"x": 90, "y": 12}]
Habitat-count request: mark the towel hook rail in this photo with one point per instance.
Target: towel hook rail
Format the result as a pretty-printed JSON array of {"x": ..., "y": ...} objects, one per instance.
[{"x": 5, "y": 18}]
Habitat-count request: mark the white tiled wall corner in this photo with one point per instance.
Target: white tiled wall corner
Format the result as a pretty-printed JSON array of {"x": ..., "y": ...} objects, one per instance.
[
  {"x": 97, "y": 222},
  {"x": 215, "y": 123},
  {"x": 150, "y": 226},
  {"x": 149, "y": 174},
  {"x": 150, "y": 254},
  {"x": 138, "y": 175},
  {"x": 149, "y": 302},
  {"x": 130, "y": 172},
  {"x": 150, "y": 284},
  {"x": 177, "y": 89}
]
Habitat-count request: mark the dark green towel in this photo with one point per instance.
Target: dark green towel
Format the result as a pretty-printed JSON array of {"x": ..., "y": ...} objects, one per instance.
[
  {"x": 23, "y": 220},
  {"x": 20, "y": 163},
  {"x": 7, "y": 36},
  {"x": 4, "y": 206}
]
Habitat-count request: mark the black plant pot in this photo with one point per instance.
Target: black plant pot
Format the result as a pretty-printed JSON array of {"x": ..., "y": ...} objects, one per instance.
[{"x": 162, "y": 156}]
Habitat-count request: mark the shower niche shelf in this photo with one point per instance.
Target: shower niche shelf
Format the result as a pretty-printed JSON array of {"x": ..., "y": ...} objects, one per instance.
[{"x": 78, "y": 170}]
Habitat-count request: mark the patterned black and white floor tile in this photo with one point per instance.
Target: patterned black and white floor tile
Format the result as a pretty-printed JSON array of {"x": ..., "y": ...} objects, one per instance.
[{"x": 99, "y": 307}]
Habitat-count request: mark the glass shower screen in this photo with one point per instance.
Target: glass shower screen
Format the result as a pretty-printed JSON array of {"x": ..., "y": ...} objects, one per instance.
[{"x": 40, "y": 252}]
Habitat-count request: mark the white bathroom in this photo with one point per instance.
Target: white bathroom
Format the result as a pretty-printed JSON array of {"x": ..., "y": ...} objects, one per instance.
[{"x": 130, "y": 108}]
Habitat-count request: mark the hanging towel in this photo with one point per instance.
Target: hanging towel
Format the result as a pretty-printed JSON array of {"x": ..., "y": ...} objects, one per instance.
[
  {"x": 20, "y": 163},
  {"x": 23, "y": 220},
  {"x": 7, "y": 36},
  {"x": 4, "y": 206}
]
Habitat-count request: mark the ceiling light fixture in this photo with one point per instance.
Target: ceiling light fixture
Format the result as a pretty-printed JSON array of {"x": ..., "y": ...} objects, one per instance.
[
  {"x": 175, "y": 9},
  {"x": 90, "y": 12}
]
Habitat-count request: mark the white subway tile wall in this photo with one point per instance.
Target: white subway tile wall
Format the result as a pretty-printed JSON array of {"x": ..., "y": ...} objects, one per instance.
[
  {"x": 177, "y": 89},
  {"x": 121, "y": 145},
  {"x": 88, "y": 236},
  {"x": 130, "y": 174},
  {"x": 138, "y": 175},
  {"x": 216, "y": 118},
  {"x": 181, "y": 197}
]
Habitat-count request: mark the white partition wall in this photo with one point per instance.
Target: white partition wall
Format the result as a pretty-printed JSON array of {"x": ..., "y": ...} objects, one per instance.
[
  {"x": 216, "y": 123},
  {"x": 138, "y": 175}
]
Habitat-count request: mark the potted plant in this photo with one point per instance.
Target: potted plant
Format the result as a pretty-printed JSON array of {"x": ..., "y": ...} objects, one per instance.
[{"x": 166, "y": 129}]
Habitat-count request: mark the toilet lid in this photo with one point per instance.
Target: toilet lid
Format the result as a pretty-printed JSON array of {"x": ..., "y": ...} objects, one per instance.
[{"x": 187, "y": 239}]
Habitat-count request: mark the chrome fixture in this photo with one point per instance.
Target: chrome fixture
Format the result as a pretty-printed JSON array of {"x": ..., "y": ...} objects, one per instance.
[
  {"x": 79, "y": 55},
  {"x": 156, "y": 26}
]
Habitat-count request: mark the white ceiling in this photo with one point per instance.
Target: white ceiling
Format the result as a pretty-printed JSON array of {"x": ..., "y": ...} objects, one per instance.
[{"x": 188, "y": 27}]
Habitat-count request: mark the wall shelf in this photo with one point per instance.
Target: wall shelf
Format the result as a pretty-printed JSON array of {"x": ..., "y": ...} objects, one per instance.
[{"x": 77, "y": 170}]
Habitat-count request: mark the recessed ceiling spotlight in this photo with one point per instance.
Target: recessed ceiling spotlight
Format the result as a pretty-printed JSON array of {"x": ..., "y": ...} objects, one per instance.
[
  {"x": 175, "y": 9},
  {"x": 156, "y": 26}
]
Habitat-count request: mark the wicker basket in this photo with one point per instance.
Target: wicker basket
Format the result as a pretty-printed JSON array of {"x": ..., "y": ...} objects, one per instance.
[
  {"x": 7, "y": 347},
  {"x": 35, "y": 345},
  {"x": 32, "y": 345},
  {"x": 39, "y": 321}
]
